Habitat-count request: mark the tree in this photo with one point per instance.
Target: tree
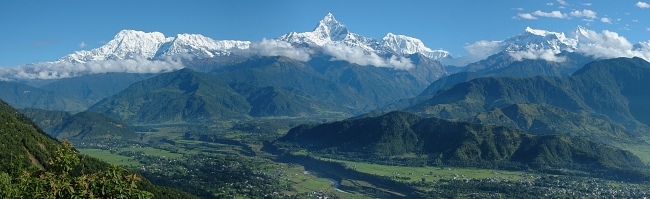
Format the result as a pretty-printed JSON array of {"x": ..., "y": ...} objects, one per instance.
[{"x": 114, "y": 182}]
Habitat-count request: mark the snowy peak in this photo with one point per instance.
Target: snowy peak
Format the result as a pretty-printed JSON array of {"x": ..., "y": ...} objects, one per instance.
[
  {"x": 327, "y": 30},
  {"x": 330, "y": 29},
  {"x": 408, "y": 45},
  {"x": 581, "y": 33},
  {"x": 130, "y": 44},
  {"x": 535, "y": 39}
]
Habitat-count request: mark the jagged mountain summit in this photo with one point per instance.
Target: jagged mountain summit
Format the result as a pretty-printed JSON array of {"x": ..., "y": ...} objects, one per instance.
[
  {"x": 131, "y": 44},
  {"x": 330, "y": 31},
  {"x": 540, "y": 40}
]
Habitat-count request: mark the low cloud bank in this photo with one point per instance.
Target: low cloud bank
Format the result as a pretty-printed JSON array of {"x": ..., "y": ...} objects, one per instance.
[
  {"x": 341, "y": 52},
  {"x": 608, "y": 44},
  {"x": 478, "y": 51},
  {"x": 58, "y": 70},
  {"x": 359, "y": 56},
  {"x": 544, "y": 54},
  {"x": 276, "y": 48}
]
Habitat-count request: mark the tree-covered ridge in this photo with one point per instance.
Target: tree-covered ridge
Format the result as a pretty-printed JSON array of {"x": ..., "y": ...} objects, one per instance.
[
  {"x": 189, "y": 96},
  {"x": 26, "y": 152},
  {"x": 439, "y": 141},
  {"x": 610, "y": 89},
  {"x": 356, "y": 88},
  {"x": 91, "y": 125},
  {"x": 46, "y": 119},
  {"x": 95, "y": 87},
  {"x": 183, "y": 95},
  {"x": 84, "y": 125},
  {"x": 25, "y": 96},
  {"x": 548, "y": 119},
  {"x": 22, "y": 142},
  {"x": 504, "y": 65}
]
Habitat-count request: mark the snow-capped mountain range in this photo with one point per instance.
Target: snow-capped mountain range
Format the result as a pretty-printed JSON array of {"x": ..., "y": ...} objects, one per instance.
[
  {"x": 129, "y": 44},
  {"x": 330, "y": 31}
]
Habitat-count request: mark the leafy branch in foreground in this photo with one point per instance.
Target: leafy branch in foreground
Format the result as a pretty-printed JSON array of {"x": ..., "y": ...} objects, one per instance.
[{"x": 115, "y": 182}]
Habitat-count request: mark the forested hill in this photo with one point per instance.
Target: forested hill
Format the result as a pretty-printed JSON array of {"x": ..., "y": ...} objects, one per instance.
[
  {"x": 615, "y": 90},
  {"x": 24, "y": 147},
  {"x": 443, "y": 142}
]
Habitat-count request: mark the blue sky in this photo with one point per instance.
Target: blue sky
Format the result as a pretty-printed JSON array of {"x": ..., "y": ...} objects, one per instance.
[{"x": 38, "y": 31}]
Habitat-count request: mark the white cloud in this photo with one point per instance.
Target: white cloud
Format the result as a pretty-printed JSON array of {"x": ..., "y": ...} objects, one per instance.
[
  {"x": 552, "y": 14},
  {"x": 608, "y": 44},
  {"x": 479, "y": 50},
  {"x": 549, "y": 3},
  {"x": 484, "y": 48},
  {"x": 520, "y": 9},
  {"x": 545, "y": 54},
  {"x": 526, "y": 16},
  {"x": 358, "y": 56},
  {"x": 606, "y": 20},
  {"x": 584, "y": 13},
  {"x": 82, "y": 45},
  {"x": 641, "y": 4},
  {"x": 561, "y": 7},
  {"x": 563, "y": 2},
  {"x": 648, "y": 29},
  {"x": 57, "y": 70},
  {"x": 585, "y": 4},
  {"x": 276, "y": 48}
]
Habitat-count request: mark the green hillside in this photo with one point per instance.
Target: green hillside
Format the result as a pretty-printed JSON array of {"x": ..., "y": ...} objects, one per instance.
[
  {"x": 547, "y": 119},
  {"x": 397, "y": 136},
  {"x": 25, "y": 147},
  {"x": 95, "y": 87},
  {"x": 356, "y": 88},
  {"x": 23, "y": 96},
  {"x": 610, "y": 89},
  {"x": 183, "y": 95},
  {"x": 46, "y": 119},
  {"x": 90, "y": 125},
  {"x": 504, "y": 65},
  {"x": 84, "y": 125},
  {"x": 276, "y": 101}
]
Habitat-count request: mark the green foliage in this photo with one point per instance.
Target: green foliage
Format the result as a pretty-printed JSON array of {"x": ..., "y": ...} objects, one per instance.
[
  {"x": 58, "y": 183},
  {"x": 26, "y": 151}
]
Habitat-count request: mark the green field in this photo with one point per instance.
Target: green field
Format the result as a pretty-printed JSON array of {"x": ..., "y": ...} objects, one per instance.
[
  {"x": 109, "y": 157},
  {"x": 413, "y": 174}
]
